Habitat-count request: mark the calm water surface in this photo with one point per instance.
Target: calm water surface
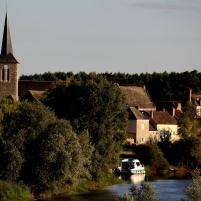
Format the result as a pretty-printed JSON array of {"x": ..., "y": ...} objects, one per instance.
[{"x": 167, "y": 190}]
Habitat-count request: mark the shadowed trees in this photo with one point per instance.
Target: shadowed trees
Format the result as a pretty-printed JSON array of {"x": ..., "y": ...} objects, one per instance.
[{"x": 96, "y": 106}]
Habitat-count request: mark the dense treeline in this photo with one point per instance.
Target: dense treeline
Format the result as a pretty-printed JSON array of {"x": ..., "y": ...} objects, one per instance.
[
  {"x": 80, "y": 142},
  {"x": 94, "y": 106},
  {"x": 161, "y": 86}
]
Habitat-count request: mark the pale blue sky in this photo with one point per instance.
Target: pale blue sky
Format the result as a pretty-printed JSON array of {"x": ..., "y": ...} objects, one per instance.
[{"x": 131, "y": 36}]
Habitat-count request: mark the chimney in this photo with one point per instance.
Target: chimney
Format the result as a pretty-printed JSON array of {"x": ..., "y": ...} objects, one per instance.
[
  {"x": 173, "y": 111},
  {"x": 152, "y": 114},
  {"x": 179, "y": 106},
  {"x": 189, "y": 95}
]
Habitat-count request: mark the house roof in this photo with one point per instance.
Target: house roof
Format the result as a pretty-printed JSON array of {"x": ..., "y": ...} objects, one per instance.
[
  {"x": 178, "y": 114},
  {"x": 33, "y": 85},
  {"x": 33, "y": 95},
  {"x": 136, "y": 114},
  {"x": 37, "y": 94},
  {"x": 138, "y": 97},
  {"x": 160, "y": 117}
]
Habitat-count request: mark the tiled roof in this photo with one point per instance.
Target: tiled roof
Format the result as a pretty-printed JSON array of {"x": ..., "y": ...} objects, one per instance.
[
  {"x": 160, "y": 117},
  {"x": 138, "y": 97}
]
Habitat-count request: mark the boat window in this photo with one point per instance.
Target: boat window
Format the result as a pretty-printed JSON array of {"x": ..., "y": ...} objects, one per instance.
[
  {"x": 127, "y": 165},
  {"x": 138, "y": 164},
  {"x": 131, "y": 165}
]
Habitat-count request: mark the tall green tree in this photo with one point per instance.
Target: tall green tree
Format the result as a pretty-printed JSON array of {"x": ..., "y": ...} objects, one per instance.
[
  {"x": 39, "y": 149},
  {"x": 194, "y": 189},
  {"x": 96, "y": 106}
]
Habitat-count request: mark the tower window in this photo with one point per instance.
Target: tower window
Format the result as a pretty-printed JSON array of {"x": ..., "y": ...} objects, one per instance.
[
  {"x": 5, "y": 74},
  {"x": 8, "y": 75}
]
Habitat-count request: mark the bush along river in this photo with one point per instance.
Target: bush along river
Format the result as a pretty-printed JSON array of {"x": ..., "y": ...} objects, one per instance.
[{"x": 166, "y": 189}]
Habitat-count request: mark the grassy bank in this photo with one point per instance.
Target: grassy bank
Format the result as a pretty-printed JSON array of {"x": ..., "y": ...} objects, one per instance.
[
  {"x": 85, "y": 186},
  {"x": 14, "y": 192}
]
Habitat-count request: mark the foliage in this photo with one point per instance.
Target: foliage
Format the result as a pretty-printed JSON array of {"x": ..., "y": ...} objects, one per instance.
[
  {"x": 40, "y": 149},
  {"x": 151, "y": 155},
  {"x": 187, "y": 152},
  {"x": 125, "y": 197},
  {"x": 96, "y": 106},
  {"x": 166, "y": 146},
  {"x": 14, "y": 192},
  {"x": 194, "y": 189},
  {"x": 187, "y": 122},
  {"x": 143, "y": 193}
]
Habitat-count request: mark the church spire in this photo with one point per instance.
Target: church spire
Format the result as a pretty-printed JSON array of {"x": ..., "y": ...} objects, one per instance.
[{"x": 6, "y": 48}]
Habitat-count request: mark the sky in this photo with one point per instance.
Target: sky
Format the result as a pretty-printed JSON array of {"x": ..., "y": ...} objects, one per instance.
[{"x": 131, "y": 36}]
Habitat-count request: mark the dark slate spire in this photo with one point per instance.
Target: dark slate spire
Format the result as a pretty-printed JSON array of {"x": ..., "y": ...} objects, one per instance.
[{"x": 6, "y": 48}]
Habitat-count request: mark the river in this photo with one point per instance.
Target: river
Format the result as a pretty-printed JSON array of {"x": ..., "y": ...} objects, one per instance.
[{"x": 167, "y": 190}]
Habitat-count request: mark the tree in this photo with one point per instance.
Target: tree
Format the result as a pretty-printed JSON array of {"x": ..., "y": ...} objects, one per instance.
[
  {"x": 96, "y": 106},
  {"x": 56, "y": 159},
  {"x": 187, "y": 152},
  {"x": 39, "y": 149},
  {"x": 194, "y": 189},
  {"x": 143, "y": 193},
  {"x": 150, "y": 154}
]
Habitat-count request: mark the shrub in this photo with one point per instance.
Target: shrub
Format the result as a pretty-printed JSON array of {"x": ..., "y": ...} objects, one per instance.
[
  {"x": 144, "y": 193},
  {"x": 151, "y": 155},
  {"x": 14, "y": 192},
  {"x": 194, "y": 189}
]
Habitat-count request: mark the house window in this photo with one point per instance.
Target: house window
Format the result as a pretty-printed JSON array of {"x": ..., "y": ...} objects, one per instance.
[
  {"x": 198, "y": 111},
  {"x": 5, "y": 74}
]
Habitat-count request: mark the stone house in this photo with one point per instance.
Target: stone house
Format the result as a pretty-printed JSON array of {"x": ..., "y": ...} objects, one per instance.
[
  {"x": 140, "y": 107},
  {"x": 138, "y": 127}
]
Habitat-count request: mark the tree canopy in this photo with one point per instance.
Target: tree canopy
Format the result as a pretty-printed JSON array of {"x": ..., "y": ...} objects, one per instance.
[
  {"x": 96, "y": 106},
  {"x": 39, "y": 149}
]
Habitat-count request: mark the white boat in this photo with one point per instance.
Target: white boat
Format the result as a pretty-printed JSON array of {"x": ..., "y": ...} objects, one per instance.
[{"x": 131, "y": 166}]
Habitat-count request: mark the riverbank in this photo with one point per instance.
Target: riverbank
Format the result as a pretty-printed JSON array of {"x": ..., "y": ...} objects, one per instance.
[
  {"x": 170, "y": 173},
  {"x": 84, "y": 187}
]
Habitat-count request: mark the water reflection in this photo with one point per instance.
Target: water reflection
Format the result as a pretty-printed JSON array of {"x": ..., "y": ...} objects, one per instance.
[
  {"x": 133, "y": 179},
  {"x": 137, "y": 179}
]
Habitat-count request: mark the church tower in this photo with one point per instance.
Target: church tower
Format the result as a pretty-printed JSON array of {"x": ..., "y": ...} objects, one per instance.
[{"x": 9, "y": 67}]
